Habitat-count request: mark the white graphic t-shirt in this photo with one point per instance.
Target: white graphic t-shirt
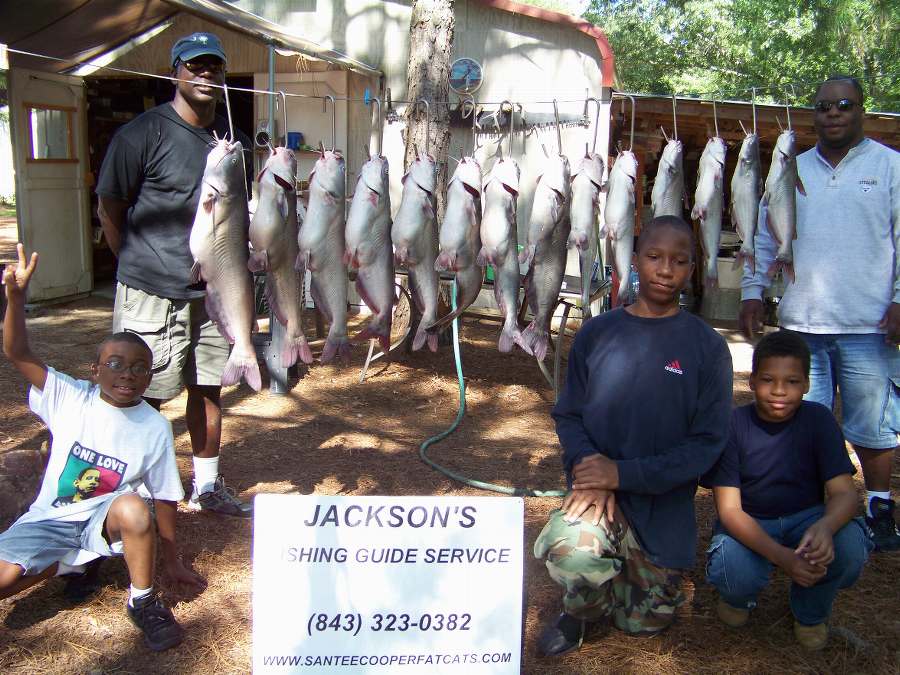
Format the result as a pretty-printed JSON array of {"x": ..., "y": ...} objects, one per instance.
[{"x": 98, "y": 450}]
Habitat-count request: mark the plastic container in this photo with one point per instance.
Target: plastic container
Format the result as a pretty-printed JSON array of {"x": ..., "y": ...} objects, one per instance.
[{"x": 294, "y": 140}]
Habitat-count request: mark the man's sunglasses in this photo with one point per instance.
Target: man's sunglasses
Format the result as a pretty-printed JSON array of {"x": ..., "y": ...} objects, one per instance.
[
  {"x": 198, "y": 66},
  {"x": 843, "y": 105}
]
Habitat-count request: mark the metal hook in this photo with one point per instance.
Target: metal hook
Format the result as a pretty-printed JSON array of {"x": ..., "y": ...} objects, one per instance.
[
  {"x": 715, "y": 118},
  {"x": 753, "y": 106},
  {"x": 378, "y": 125},
  {"x": 470, "y": 100},
  {"x": 633, "y": 107},
  {"x": 427, "y": 115},
  {"x": 524, "y": 133},
  {"x": 228, "y": 111},
  {"x": 558, "y": 133},
  {"x": 284, "y": 113},
  {"x": 596, "y": 119},
  {"x": 674, "y": 118},
  {"x": 325, "y": 100},
  {"x": 793, "y": 91},
  {"x": 787, "y": 108},
  {"x": 390, "y": 115},
  {"x": 512, "y": 126}
]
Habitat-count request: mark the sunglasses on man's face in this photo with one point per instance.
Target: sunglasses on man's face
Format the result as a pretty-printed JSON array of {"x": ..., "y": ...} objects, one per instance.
[
  {"x": 843, "y": 105},
  {"x": 199, "y": 65}
]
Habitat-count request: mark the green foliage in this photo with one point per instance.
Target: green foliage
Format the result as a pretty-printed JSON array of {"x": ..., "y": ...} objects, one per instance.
[{"x": 720, "y": 48}]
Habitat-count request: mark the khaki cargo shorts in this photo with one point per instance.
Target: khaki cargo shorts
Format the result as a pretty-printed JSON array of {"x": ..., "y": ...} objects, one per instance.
[{"x": 187, "y": 347}]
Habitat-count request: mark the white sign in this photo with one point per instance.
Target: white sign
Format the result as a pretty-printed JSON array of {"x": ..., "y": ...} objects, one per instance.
[{"x": 387, "y": 584}]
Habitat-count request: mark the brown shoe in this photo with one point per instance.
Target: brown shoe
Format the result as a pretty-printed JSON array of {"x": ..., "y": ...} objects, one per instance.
[
  {"x": 811, "y": 638},
  {"x": 731, "y": 616}
]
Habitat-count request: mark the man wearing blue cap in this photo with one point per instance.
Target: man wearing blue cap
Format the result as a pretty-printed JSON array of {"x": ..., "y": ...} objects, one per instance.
[{"x": 149, "y": 189}]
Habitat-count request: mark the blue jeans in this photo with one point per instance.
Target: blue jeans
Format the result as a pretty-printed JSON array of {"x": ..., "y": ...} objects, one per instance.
[
  {"x": 739, "y": 574},
  {"x": 866, "y": 370}
]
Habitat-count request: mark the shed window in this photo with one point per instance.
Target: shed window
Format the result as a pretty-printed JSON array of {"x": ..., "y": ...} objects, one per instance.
[{"x": 51, "y": 133}]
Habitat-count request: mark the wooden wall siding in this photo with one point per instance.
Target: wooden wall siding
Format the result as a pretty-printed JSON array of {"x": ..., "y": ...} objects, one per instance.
[{"x": 245, "y": 55}]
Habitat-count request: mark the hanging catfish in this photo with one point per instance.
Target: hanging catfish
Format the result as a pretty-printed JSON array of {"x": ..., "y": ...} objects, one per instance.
[
  {"x": 745, "y": 197},
  {"x": 548, "y": 235},
  {"x": 587, "y": 183},
  {"x": 218, "y": 243},
  {"x": 780, "y": 200},
  {"x": 460, "y": 238},
  {"x": 618, "y": 217},
  {"x": 273, "y": 233},
  {"x": 414, "y": 234},
  {"x": 709, "y": 203},
  {"x": 499, "y": 246},
  {"x": 321, "y": 242},
  {"x": 667, "y": 198},
  {"x": 369, "y": 251}
]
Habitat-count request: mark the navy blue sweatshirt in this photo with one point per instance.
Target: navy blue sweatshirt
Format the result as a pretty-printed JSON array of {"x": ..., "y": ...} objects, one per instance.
[{"x": 654, "y": 395}]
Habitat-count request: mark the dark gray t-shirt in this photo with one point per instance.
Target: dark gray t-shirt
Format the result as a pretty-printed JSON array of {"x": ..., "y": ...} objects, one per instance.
[{"x": 156, "y": 163}]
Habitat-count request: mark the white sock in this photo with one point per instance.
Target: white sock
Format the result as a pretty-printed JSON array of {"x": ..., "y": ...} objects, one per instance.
[
  {"x": 136, "y": 593},
  {"x": 62, "y": 568},
  {"x": 206, "y": 470},
  {"x": 873, "y": 493}
]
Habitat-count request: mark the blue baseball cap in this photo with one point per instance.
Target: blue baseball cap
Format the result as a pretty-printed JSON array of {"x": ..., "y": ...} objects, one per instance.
[{"x": 197, "y": 44}]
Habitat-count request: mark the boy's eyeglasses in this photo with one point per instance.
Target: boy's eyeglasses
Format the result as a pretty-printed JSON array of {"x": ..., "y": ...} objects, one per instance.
[
  {"x": 198, "y": 66},
  {"x": 843, "y": 105},
  {"x": 137, "y": 369}
]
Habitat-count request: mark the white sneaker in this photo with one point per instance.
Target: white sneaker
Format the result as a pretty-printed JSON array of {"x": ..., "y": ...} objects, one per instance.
[{"x": 219, "y": 499}]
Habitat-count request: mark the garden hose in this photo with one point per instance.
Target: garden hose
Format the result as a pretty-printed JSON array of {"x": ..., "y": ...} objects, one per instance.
[{"x": 481, "y": 485}]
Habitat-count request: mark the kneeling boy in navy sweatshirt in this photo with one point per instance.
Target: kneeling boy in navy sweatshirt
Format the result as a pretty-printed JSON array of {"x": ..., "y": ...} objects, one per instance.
[{"x": 643, "y": 414}]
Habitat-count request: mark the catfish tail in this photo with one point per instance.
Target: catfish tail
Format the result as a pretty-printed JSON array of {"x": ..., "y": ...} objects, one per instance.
[
  {"x": 742, "y": 256},
  {"x": 293, "y": 349},
  {"x": 336, "y": 348},
  {"x": 378, "y": 330},
  {"x": 242, "y": 366},
  {"x": 423, "y": 337},
  {"x": 536, "y": 341},
  {"x": 784, "y": 266}
]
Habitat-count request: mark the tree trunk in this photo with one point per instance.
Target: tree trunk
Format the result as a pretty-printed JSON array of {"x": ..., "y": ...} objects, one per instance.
[{"x": 431, "y": 29}]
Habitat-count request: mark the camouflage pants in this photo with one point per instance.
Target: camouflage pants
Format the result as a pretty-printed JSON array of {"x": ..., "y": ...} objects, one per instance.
[{"x": 606, "y": 574}]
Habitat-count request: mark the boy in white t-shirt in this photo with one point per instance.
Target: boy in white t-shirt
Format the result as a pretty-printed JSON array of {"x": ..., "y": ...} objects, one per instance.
[{"x": 106, "y": 441}]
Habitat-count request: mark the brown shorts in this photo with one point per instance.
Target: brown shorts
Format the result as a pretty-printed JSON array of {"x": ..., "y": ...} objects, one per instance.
[{"x": 187, "y": 346}]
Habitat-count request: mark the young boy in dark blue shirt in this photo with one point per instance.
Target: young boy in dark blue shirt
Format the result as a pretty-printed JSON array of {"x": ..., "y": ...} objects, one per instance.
[
  {"x": 784, "y": 455},
  {"x": 643, "y": 414}
]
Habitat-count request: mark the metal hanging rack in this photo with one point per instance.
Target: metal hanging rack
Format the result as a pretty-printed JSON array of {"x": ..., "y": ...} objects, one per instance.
[
  {"x": 633, "y": 108},
  {"x": 597, "y": 104},
  {"x": 325, "y": 100},
  {"x": 512, "y": 126},
  {"x": 558, "y": 133},
  {"x": 376, "y": 102}
]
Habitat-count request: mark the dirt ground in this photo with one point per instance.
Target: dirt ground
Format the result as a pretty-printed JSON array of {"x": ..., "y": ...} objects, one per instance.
[
  {"x": 332, "y": 435},
  {"x": 7, "y": 239}
]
